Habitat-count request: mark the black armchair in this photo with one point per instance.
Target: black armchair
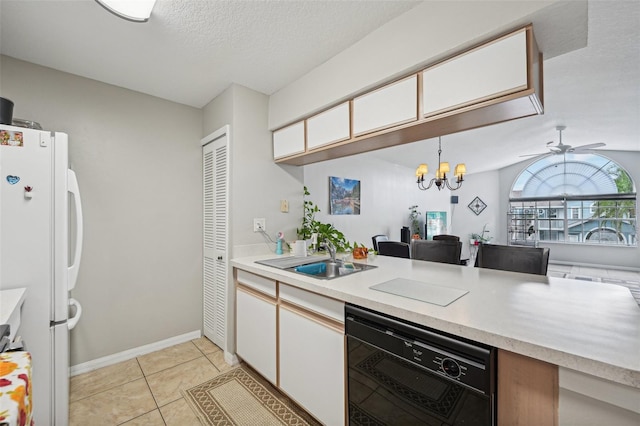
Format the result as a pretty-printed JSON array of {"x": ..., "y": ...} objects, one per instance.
[
  {"x": 530, "y": 260},
  {"x": 394, "y": 248},
  {"x": 377, "y": 238},
  {"x": 443, "y": 251}
]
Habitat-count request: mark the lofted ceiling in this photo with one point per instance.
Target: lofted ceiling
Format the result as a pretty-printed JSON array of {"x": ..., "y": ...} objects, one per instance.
[
  {"x": 191, "y": 50},
  {"x": 594, "y": 91}
]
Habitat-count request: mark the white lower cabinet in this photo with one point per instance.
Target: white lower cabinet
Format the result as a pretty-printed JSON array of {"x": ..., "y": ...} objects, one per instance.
[
  {"x": 312, "y": 365},
  {"x": 295, "y": 339},
  {"x": 256, "y": 332},
  {"x": 590, "y": 401}
]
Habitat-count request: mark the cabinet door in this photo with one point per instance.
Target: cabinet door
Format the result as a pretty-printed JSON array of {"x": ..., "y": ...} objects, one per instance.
[
  {"x": 388, "y": 106},
  {"x": 586, "y": 400},
  {"x": 489, "y": 71},
  {"x": 328, "y": 127},
  {"x": 312, "y": 365},
  {"x": 256, "y": 332},
  {"x": 218, "y": 307},
  {"x": 288, "y": 141}
]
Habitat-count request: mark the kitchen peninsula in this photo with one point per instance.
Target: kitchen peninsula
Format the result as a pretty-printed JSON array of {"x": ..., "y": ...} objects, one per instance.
[{"x": 587, "y": 329}]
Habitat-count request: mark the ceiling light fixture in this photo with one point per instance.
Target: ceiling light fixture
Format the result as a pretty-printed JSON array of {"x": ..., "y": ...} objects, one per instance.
[
  {"x": 131, "y": 10},
  {"x": 441, "y": 174}
]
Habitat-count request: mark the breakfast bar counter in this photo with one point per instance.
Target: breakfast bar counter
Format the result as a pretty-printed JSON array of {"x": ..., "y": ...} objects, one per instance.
[{"x": 588, "y": 327}]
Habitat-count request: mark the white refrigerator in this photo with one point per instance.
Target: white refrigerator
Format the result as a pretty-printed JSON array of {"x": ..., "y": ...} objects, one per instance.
[{"x": 40, "y": 209}]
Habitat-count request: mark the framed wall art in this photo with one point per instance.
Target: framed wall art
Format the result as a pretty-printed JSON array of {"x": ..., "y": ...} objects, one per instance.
[
  {"x": 477, "y": 205},
  {"x": 344, "y": 196}
]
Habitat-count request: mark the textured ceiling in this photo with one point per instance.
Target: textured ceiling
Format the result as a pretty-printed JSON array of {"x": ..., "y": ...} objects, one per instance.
[{"x": 190, "y": 50}]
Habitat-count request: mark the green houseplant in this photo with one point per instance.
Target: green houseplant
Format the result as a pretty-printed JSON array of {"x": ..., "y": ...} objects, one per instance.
[
  {"x": 325, "y": 231},
  {"x": 481, "y": 238}
]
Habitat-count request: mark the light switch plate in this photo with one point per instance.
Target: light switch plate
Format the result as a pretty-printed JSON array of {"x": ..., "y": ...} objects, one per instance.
[{"x": 284, "y": 206}]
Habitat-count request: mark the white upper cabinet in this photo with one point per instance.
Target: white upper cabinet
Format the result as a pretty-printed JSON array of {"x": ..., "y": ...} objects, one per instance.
[
  {"x": 490, "y": 71},
  {"x": 328, "y": 127},
  {"x": 391, "y": 105},
  {"x": 288, "y": 141}
]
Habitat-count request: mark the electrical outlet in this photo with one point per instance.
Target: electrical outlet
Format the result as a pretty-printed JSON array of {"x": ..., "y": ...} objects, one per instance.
[
  {"x": 259, "y": 224},
  {"x": 284, "y": 206}
]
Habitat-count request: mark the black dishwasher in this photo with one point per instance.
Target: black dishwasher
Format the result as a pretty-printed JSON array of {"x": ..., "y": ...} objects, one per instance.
[{"x": 401, "y": 373}]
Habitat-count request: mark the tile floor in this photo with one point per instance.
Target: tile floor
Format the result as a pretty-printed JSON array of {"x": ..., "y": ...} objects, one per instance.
[{"x": 145, "y": 390}]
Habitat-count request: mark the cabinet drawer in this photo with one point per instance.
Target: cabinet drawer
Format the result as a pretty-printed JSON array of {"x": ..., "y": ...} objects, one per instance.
[
  {"x": 328, "y": 127},
  {"x": 258, "y": 283},
  {"x": 492, "y": 70},
  {"x": 288, "y": 141},
  {"x": 388, "y": 106},
  {"x": 313, "y": 302}
]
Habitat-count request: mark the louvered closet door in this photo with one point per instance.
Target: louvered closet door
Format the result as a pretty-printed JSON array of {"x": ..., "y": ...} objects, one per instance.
[{"x": 216, "y": 204}]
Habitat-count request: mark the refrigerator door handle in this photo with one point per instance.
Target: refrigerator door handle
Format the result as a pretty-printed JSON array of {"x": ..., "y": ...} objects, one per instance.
[
  {"x": 71, "y": 323},
  {"x": 72, "y": 185}
]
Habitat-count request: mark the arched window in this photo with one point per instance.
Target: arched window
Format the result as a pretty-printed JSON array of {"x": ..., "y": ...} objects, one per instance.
[{"x": 573, "y": 198}]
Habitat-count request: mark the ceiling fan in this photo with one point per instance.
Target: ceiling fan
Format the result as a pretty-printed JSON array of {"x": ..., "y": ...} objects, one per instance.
[{"x": 561, "y": 148}]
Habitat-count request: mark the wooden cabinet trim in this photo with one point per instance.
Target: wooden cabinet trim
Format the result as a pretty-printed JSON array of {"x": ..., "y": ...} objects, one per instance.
[
  {"x": 304, "y": 141},
  {"x": 511, "y": 104},
  {"x": 329, "y": 142},
  {"x": 313, "y": 316},
  {"x": 528, "y": 391},
  {"x": 380, "y": 89},
  {"x": 256, "y": 293}
]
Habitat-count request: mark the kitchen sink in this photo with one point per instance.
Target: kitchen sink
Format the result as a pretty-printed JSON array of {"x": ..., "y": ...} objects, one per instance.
[{"x": 328, "y": 269}]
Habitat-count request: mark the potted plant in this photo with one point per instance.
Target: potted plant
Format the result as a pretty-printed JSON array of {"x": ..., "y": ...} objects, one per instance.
[
  {"x": 414, "y": 217},
  {"x": 324, "y": 231},
  {"x": 481, "y": 238},
  {"x": 359, "y": 251}
]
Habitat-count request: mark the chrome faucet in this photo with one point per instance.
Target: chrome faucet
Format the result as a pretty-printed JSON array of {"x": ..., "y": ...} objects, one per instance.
[{"x": 330, "y": 248}]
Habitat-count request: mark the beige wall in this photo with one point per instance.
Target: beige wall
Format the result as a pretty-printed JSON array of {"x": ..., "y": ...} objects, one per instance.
[
  {"x": 257, "y": 183},
  {"x": 138, "y": 162}
]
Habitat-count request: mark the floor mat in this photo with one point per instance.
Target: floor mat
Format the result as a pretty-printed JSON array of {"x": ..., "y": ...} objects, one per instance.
[{"x": 241, "y": 397}]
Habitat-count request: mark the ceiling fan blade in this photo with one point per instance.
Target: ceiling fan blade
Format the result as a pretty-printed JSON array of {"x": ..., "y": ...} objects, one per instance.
[
  {"x": 538, "y": 156},
  {"x": 589, "y": 146},
  {"x": 533, "y": 155}
]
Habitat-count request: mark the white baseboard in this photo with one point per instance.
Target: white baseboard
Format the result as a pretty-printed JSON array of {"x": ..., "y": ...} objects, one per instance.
[
  {"x": 231, "y": 358},
  {"x": 85, "y": 367}
]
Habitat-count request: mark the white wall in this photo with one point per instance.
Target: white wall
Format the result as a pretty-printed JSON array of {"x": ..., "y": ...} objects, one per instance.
[
  {"x": 138, "y": 163},
  {"x": 625, "y": 257},
  {"x": 387, "y": 192},
  {"x": 407, "y": 43},
  {"x": 465, "y": 221}
]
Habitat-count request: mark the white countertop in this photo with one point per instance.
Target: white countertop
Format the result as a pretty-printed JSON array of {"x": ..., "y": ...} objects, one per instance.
[
  {"x": 10, "y": 303},
  {"x": 585, "y": 326}
]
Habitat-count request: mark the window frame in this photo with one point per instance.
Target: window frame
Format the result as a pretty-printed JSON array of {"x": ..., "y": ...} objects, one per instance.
[{"x": 537, "y": 204}]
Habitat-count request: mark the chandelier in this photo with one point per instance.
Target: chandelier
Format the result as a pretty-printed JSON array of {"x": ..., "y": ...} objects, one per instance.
[{"x": 441, "y": 179}]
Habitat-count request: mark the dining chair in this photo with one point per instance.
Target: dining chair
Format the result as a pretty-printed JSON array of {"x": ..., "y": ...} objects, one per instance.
[
  {"x": 377, "y": 238},
  {"x": 530, "y": 260},
  {"x": 446, "y": 237},
  {"x": 443, "y": 251},
  {"x": 394, "y": 248}
]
